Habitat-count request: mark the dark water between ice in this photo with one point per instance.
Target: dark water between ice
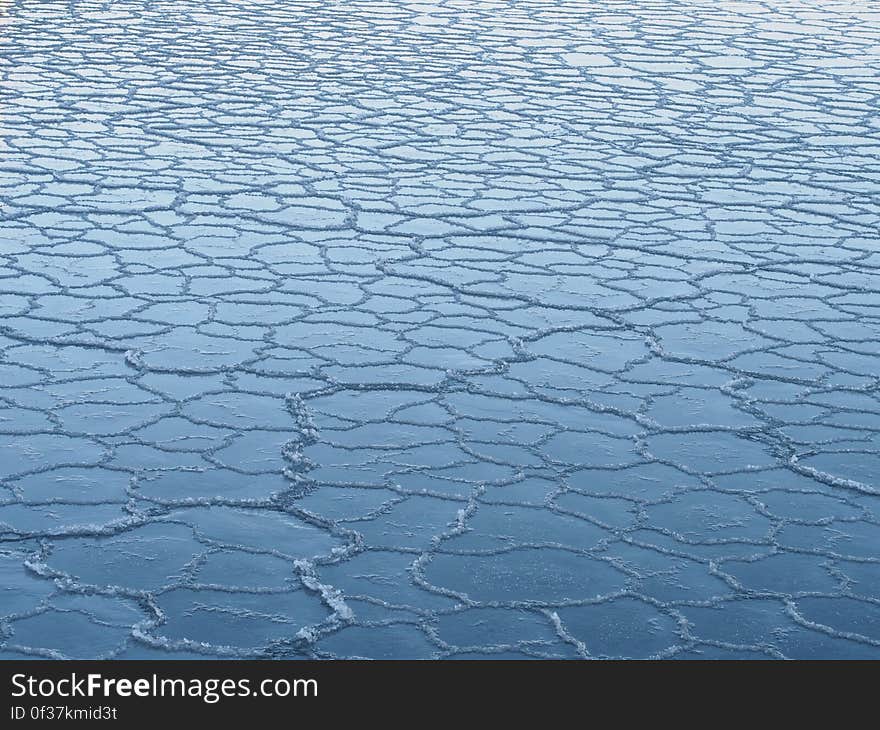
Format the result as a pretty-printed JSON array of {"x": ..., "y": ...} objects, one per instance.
[{"x": 515, "y": 328}]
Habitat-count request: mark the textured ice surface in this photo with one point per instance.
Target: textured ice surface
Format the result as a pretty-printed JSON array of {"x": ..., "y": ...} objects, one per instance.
[{"x": 386, "y": 329}]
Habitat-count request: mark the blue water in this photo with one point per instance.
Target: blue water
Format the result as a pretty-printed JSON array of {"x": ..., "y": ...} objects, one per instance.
[{"x": 470, "y": 329}]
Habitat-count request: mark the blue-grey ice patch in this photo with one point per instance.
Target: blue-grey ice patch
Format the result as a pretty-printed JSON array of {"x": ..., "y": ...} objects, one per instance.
[{"x": 447, "y": 329}]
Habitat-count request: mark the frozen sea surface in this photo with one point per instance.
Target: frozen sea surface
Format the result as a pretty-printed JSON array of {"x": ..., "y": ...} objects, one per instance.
[{"x": 451, "y": 329}]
